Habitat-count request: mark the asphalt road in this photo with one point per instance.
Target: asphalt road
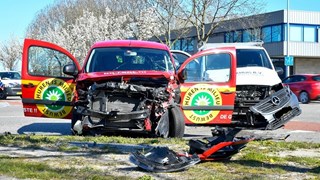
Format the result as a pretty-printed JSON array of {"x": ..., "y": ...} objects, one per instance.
[{"x": 305, "y": 127}]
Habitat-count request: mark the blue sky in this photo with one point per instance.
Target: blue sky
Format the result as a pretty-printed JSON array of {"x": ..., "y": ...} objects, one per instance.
[{"x": 16, "y": 15}]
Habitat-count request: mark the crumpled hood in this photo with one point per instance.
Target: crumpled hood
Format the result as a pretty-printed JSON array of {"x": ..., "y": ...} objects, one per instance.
[
  {"x": 257, "y": 76},
  {"x": 125, "y": 74}
]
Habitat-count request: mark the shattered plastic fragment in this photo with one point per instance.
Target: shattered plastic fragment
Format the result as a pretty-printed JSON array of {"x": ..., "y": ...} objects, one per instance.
[
  {"x": 162, "y": 159},
  {"x": 222, "y": 146}
]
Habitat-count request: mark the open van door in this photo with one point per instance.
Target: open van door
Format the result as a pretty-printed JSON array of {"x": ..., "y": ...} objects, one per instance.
[
  {"x": 46, "y": 90},
  {"x": 208, "y": 86}
]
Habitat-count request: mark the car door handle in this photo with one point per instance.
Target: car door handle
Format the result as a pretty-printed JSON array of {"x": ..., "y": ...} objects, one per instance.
[
  {"x": 226, "y": 90},
  {"x": 30, "y": 85}
]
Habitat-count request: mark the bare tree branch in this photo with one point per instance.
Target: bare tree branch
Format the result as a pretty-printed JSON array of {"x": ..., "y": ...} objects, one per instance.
[
  {"x": 10, "y": 53},
  {"x": 207, "y": 15}
]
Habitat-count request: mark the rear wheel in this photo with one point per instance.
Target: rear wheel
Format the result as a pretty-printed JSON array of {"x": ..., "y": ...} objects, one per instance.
[
  {"x": 176, "y": 123},
  {"x": 3, "y": 94},
  {"x": 304, "y": 97}
]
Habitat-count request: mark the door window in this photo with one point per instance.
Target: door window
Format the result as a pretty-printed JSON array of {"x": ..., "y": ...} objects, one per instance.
[
  {"x": 213, "y": 67},
  {"x": 47, "y": 62}
]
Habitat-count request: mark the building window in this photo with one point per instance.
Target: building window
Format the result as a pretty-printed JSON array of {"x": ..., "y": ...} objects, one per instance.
[
  {"x": 237, "y": 36},
  {"x": 246, "y": 36},
  {"x": 234, "y": 36},
  {"x": 256, "y": 34},
  {"x": 303, "y": 33},
  {"x": 176, "y": 45},
  {"x": 250, "y": 35},
  {"x": 276, "y": 32},
  {"x": 266, "y": 34},
  {"x": 272, "y": 33},
  {"x": 191, "y": 44},
  {"x": 296, "y": 33},
  {"x": 229, "y": 37},
  {"x": 187, "y": 44},
  {"x": 183, "y": 44},
  {"x": 309, "y": 34}
]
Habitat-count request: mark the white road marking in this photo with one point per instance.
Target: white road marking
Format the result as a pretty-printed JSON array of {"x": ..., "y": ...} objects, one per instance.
[{"x": 4, "y": 104}]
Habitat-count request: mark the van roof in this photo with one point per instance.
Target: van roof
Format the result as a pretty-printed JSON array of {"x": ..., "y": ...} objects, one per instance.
[{"x": 246, "y": 45}]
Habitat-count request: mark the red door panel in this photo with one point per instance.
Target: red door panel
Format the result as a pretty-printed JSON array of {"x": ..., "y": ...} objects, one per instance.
[
  {"x": 208, "y": 91},
  {"x": 46, "y": 90}
]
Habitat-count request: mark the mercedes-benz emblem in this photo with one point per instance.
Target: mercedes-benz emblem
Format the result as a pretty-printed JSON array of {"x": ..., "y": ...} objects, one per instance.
[{"x": 275, "y": 100}]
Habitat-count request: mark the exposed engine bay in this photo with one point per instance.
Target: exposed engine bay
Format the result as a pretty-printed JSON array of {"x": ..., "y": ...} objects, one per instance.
[
  {"x": 265, "y": 107},
  {"x": 139, "y": 104}
]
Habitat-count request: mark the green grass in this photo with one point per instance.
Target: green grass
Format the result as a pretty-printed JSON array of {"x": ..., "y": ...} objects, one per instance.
[
  {"x": 23, "y": 168},
  {"x": 41, "y": 140},
  {"x": 259, "y": 160}
]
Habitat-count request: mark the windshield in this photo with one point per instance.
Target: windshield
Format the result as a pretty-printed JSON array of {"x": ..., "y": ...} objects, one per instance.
[
  {"x": 252, "y": 58},
  {"x": 9, "y": 75},
  {"x": 123, "y": 59},
  {"x": 316, "y": 78}
]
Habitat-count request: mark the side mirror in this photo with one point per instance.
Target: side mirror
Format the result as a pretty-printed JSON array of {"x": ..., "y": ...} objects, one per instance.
[
  {"x": 182, "y": 75},
  {"x": 279, "y": 70},
  {"x": 70, "y": 69}
]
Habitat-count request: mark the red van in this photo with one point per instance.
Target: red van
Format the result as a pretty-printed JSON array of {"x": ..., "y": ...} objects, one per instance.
[{"x": 127, "y": 85}]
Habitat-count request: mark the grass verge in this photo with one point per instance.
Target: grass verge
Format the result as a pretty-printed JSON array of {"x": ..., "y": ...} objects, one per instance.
[{"x": 259, "y": 160}]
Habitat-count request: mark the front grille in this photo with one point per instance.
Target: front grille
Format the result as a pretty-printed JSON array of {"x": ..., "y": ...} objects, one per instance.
[
  {"x": 122, "y": 104},
  {"x": 268, "y": 105},
  {"x": 277, "y": 123},
  {"x": 112, "y": 103}
]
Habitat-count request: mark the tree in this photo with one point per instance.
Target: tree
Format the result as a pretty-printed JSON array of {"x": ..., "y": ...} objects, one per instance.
[
  {"x": 96, "y": 20},
  {"x": 145, "y": 25},
  {"x": 10, "y": 53},
  {"x": 143, "y": 19},
  {"x": 169, "y": 15},
  {"x": 207, "y": 15},
  {"x": 87, "y": 29}
]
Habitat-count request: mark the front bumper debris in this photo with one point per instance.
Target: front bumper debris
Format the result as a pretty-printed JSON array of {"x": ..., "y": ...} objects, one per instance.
[
  {"x": 162, "y": 159},
  {"x": 278, "y": 109},
  {"x": 221, "y": 146}
]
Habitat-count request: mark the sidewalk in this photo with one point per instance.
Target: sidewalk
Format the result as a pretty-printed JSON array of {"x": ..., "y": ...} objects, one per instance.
[
  {"x": 300, "y": 125},
  {"x": 292, "y": 131}
]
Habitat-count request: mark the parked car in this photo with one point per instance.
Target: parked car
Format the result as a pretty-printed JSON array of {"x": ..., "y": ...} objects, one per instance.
[
  {"x": 305, "y": 86},
  {"x": 11, "y": 84}
]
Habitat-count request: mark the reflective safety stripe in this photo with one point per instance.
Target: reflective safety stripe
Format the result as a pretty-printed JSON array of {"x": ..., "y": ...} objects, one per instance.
[
  {"x": 220, "y": 89},
  {"x": 27, "y": 82},
  {"x": 46, "y": 102},
  {"x": 208, "y": 107},
  {"x": 36, "y": 82}
]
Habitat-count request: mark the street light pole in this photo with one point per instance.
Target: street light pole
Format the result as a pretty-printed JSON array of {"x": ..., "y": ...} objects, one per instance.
[{"x": 288, "y": 39}]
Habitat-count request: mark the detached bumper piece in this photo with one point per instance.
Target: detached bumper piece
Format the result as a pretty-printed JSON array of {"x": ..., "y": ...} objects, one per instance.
[
  {"x": 278, "y": 109},
  {"x": 162, "y": 159},
  {"x": 221, "y": 146}
]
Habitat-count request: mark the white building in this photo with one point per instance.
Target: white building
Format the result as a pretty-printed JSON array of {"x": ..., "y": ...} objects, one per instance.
[{"x": 271, "y": 27}]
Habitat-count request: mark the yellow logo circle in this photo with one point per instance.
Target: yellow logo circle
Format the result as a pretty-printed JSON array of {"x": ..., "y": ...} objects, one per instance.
[
  {"x": 201, "y": 95},
  {"x": 54, "y": 89}
]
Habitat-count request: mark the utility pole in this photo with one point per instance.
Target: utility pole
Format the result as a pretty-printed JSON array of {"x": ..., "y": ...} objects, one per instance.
[{"x": 288, "y": 39}]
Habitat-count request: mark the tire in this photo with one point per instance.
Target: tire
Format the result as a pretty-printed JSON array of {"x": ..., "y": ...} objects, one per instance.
[
  {"x": 176, "y": 123},
  {"x": 304, "y": 97},
  {"x": 3, "y": 94},
  {"x": 90, "y": 132},
  {"x": 75, "y": 117}
]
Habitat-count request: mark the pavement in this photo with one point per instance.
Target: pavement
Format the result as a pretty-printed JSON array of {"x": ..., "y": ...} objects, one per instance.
[
  {"x": 302, "y": 125},
  {"x": 305, "y": 128}
]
